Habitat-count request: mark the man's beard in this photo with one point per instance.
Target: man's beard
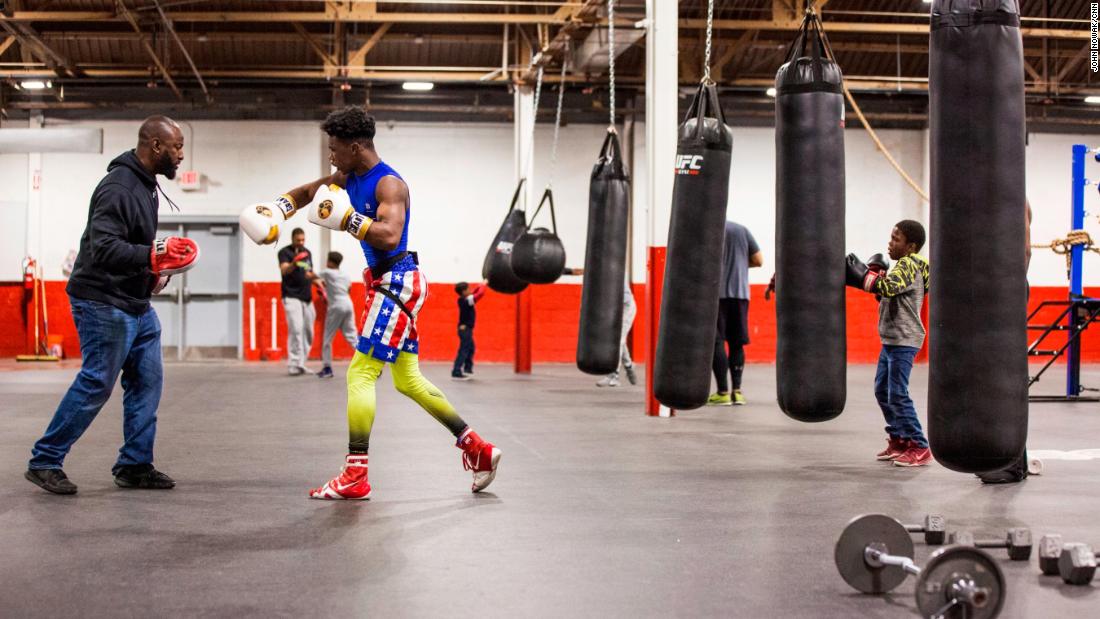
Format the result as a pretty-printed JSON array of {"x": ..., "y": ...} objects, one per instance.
[{"x": 166, "y": 167}]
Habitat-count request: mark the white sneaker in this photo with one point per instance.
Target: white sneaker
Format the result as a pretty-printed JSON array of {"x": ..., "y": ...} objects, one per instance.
[{"x": 611, "y": 380}]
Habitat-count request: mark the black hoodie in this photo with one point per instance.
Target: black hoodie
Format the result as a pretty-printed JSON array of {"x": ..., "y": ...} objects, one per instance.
[{"x": 113, "y": 264}]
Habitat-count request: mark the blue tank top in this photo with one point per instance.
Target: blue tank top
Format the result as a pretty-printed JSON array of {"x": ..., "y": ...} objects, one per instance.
[{"x": 362, "y": 189}]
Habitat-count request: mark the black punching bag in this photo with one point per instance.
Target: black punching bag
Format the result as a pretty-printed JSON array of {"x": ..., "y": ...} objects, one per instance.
[
  {"x": 696, "y": 234},
  {"x": 601, "y": 319},
  {"x": 538, "y": 255},
  {"x": 810, "y": 362},
  {"x": 977, "y": 385},
  {"x": 497, "y": 267}
]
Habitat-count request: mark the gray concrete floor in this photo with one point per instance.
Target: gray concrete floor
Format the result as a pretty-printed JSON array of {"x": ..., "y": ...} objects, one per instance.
[{"x": 598, "y": 511}]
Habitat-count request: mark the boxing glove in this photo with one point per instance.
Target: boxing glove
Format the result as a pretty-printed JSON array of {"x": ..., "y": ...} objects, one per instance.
[
  {"x": 261, "y": 221},
  {"x": 859, "y": 275},
  {"x": 172, "y": 255},
  {"x": 878, "y": 262},
  {"x": 331, "y": 208}
]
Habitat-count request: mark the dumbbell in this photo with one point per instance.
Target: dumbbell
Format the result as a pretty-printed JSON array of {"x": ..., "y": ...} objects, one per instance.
[
  {"x": 934, "y": 528},
  {"x": 875, "y": 554},
  {"x": 1075, "y": 563},
  {"x": 1017, "y": 541}
]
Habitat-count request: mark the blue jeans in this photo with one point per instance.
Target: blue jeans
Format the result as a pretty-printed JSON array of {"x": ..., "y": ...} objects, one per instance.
[
  {"x": 111, "y": 341},
  {"x": 892, "y": 393},
  {"x": 464, "y": 360}
]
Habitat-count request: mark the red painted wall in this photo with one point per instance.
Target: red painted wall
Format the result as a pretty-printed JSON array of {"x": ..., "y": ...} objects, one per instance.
[{"x": 556, "y": 309}]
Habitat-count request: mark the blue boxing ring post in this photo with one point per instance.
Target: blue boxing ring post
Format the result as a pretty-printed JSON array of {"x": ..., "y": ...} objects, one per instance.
[{"x": 1078, "y": 311}]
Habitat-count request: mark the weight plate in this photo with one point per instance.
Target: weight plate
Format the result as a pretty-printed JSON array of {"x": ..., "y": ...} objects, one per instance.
[
  {"x": 888, "y": 535},
  {"x": 961, "y": 564}
]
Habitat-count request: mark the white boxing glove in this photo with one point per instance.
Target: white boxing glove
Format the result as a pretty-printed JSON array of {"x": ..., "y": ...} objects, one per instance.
[
  {"x": 261, "y": 221},
  {"x": 331, "y": 208}
]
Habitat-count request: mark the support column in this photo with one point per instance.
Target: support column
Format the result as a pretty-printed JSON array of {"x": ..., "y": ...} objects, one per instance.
[
  {"x": 661, "y": 113},
  {"x": 524, "y": 166}
]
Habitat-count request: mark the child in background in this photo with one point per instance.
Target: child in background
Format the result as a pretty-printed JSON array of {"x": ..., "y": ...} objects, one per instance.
[
  {"x": 902, "y": 290},
  {"x": 341, "y": 315},
  {"x": 467, "y": 298}
]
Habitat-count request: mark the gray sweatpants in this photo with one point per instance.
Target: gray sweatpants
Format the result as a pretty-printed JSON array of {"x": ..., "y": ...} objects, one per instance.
[
  {"x": 339, "y": 318},
  {"x": 299, "y": 331}
]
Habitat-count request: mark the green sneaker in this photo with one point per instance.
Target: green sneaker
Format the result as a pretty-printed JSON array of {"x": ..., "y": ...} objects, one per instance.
[
  {"x": 738, "y": 399},
  {"x": 719, "y": 399}
]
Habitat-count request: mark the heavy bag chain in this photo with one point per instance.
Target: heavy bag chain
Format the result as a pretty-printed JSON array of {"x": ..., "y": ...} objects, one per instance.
[
  {"x": 710, "y": 29},
  {"x": 557, "y": 121},
  {"x": 611, "y": 60}
]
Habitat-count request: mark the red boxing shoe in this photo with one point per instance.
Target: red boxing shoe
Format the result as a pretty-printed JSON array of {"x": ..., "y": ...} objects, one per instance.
[
  {"x": 479, "y": 456},
  {"x": 350, "y": 485},
  {"x": 173, "y": 255},
  {"x": 894, "y": 447},
  {"x": 914, "y": 456}
]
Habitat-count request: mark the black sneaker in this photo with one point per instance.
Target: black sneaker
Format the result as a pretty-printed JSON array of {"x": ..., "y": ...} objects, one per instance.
[
  {"x": 325, "y": 372},
  {"x": 51, "y": 480},
  {"x": 144, "y": 477}
]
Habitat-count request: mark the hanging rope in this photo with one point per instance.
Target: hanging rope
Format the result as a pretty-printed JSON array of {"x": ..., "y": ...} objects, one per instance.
[
  {"x": 863, "y": 119},
  {"x": 1064, "y": 247},
  {"x": 610, "y": 60},
  {"x": 706, "y": 54},
  {"x": 534, "y": 123}
]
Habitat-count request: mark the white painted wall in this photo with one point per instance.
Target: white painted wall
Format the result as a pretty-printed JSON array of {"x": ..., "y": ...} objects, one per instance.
[{"x": 461, "y": 179}]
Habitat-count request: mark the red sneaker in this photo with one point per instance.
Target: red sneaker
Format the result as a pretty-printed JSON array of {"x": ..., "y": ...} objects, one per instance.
[
  {"x": 894, "y": 447},
  {"x": 479, "y": 456},
  {"x": 351, "y": 484},
  {"x": 914, "y": 456}
]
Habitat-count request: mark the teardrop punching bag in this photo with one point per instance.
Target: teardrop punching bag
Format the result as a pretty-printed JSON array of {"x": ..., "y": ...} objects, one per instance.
[
  {"x": 497, "y": 267},
  {"x": 811, "y": 345},
  {"x": 538, "y": 256},
  {"x": 977, "y": 385},
  {"x": 601, "y": 316},
  {"x": 689, "y": 302}
]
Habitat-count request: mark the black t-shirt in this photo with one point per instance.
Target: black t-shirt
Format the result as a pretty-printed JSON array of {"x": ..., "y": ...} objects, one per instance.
[
  {"x": 295, "y": 283},
  {"x": 466, "y": 312}
]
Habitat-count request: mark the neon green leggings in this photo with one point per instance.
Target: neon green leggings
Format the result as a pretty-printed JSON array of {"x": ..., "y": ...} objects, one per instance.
[{"x": 362, "y": 376}]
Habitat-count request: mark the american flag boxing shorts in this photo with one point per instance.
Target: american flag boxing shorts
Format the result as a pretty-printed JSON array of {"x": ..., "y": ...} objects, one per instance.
[{"x": 389, "y": 329}]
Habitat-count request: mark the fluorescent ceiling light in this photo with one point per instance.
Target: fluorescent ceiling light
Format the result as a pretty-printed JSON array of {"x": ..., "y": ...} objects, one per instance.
[
  {"x": 34, "y": 84},
  {"x": 770, "y": 92},
  {"x": 1094, "y": 99},
  {"x": 418, "y": 85}
]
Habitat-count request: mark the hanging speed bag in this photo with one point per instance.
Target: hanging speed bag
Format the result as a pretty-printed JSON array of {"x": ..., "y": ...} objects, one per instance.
[
  {"x": 601, "y": 319},
  {"x": 497, "y": 267},
  {"x": 811, "y": 345},
  {"x": 977, "y": 385},
  {"x": 538, "y": 256},
  {"x": 689, "y": 302}
]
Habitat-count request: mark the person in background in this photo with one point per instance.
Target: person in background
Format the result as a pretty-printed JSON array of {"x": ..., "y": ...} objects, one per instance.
[
  {"x": 739, "y": 254},
  {"x": 340, "y": 315},
  {"x": 901, "y": 290},
  {"x": 296, "y": 267},
  {"x": 630, "y": 310},
  {"x": 467, "y": 315}
]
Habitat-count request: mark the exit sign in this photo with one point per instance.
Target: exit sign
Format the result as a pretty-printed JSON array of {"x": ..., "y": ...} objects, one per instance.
[{"x": 190, "y": 180}]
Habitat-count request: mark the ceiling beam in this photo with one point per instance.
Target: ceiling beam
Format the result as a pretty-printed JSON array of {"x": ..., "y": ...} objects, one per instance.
[
  {"x": 30, "y": 41},
  {"x": 330, "y": 14},
  {"x": 129, "y": 17},
  {"x": 359, "y": 57},
  {"x": 867, "y": 27},
  {"x": 6, "y": 43},
  {"x": 1072, "y": 63},
  {"x": 326, "y": 58}
]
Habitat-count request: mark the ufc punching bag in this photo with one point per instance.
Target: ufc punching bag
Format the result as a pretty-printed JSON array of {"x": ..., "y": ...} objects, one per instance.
[
  {"x": 693, "y": 268},
  {"x": 811, "y": 345},
  {"x": 497, "y": 267},
  {"x": 601, "y": 319},
  {"x": 538, "y": 255},
  {"x": 977, "y": 386}
]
